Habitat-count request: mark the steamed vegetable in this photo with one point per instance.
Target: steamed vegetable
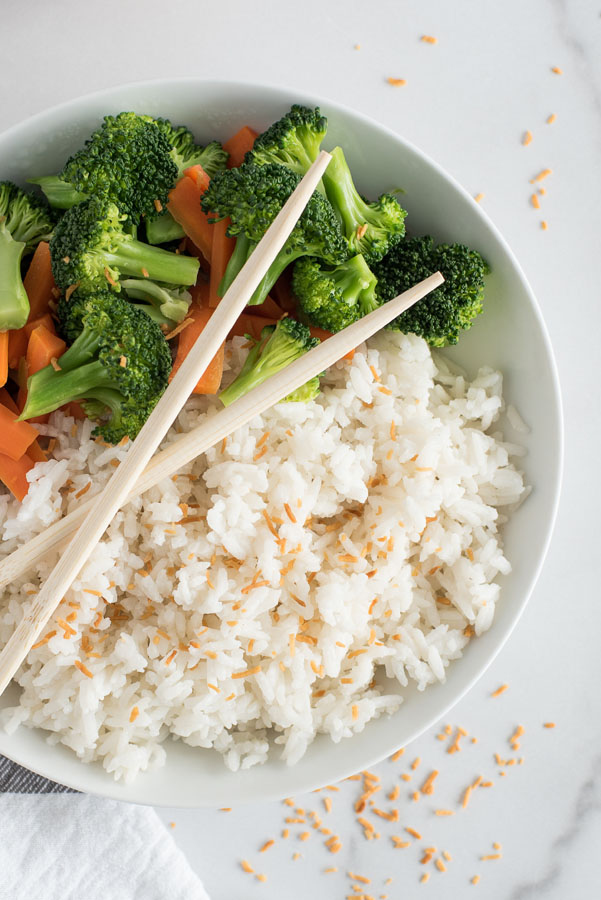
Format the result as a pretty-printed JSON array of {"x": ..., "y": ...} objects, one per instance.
[
  {"x": 441, "y": 316},
  {"x": 278, "y": 346},
  {"x": 252, "y": 196},
  {"x": 371, "y": 229},
  {"x": 91, "y": 248},
  {"x": 24, "y": 222},
  {"x": 118, "y": 366},
  {"x": 127, "y": 161},
  {"x": 293, "y": 141},
  {"x": 333, "y": 297}
]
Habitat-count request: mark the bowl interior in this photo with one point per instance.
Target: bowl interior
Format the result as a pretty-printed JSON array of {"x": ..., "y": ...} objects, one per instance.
[{"x": 510, "y": 336}]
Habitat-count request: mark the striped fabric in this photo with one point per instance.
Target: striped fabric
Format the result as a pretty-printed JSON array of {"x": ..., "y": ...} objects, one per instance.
[{"x": 15, "y": 779}]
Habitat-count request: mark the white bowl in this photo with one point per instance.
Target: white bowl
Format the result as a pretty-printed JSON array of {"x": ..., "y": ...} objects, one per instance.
[{"x": 510, "y": 336}]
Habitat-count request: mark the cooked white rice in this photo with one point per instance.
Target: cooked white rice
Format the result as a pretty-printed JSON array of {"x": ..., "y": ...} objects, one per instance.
[{"x": 383, "y": 562}]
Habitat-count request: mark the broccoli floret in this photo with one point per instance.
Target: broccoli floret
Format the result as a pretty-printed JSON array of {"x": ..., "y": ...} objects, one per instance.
[
  {"x": 59, "y": 194},
  {"x": 90, "y": 248},
  {"x": 278, "y": 346},
  {"x": 442, "y": 315},
  {"x": 24, "y": 222},
  {"x": 292, "y": 141},
  {"x": 119, "y": 351},
  {"x": 28, "y": 218},
  {"x": 171, "y": 302},
  {"x": 185, "y": 152},
  {"x": 252, "y": 196},
  {"x": 127, "y": 161},
  {"x": 332, "y": 298},
  {"x": 305, "y": 393},
  {"x": 370, "y": 228}
]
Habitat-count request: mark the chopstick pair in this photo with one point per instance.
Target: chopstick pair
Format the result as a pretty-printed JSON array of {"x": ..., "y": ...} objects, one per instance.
[{"x": 137, "y": 472}]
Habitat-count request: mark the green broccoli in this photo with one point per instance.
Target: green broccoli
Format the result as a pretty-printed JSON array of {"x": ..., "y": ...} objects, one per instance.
[
  {"x": 332, "y": 298},
  {"x": 185, "y": 152},
  {"x": 127, "y": 161},
  {"x": 279, "y": 345},
  {"x": 119, "y": 364},
  {"x": 305, "y": 393},
  {"x": 252, "y": 196},
  {"x": 370, "y": 228},
  {"x": 442, "y": 315},
  {"x": 164, "y": 302},
  {"x": 90, "y": 247},
  {"x": 24, "y": 222},
  {"x": 292, "y": 141}
]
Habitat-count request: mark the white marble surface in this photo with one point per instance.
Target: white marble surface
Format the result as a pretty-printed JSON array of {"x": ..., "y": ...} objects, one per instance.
[{"x": 467, "y": 102}]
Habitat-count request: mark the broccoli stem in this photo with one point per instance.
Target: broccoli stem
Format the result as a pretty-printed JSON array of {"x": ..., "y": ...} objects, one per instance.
[
  {"x": 59, "y": 194},
  {"x": 244, "y": 247},
  {"x": 163, "y": 229},
  {"x": 14, "y": 303},
  {"x": 132, "y": 257},
  {"x": 170, "y": 308},
  {"x": 343, "y": 195},
  {"x": 47, "y": 394},
  {"x": 281, "y": 262}
]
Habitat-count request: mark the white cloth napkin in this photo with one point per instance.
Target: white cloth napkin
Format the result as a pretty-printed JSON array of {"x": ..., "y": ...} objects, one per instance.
[{"x": 76, "y": 847}]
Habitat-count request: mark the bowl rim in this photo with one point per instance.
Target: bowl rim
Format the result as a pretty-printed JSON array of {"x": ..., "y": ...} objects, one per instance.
[{"x": 116, "y": 790}]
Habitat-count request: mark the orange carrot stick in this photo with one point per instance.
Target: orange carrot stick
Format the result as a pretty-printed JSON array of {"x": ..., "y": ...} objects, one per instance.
[
  {"x": 238, "y": 145},
  {"x": 13, "y": 473},
  {"x": 36, "y": 454},
  {"x": 46, "y": 320},
  {"x": 38, "y": 281},
  {"x": 39, "y": 285},
  {"x": 43, "y": 346},
  {"x": 210, "y": 381},
  {"x": 34, "y": 451},
  {"x": 184, "y": 206},
  {"x": 269, "y": 309},
  {"x": 15, "y": 437},
  {"x": 221, "y": 250},
  {"x": 4, "y": 356}
]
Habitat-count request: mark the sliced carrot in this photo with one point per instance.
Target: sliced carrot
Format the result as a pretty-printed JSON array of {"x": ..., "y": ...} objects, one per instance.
[
  {"x": 4, "y": 356},
  {"x": 36, "y": 454},
  {"x": 17, "y": 342},
  {"x": 38, "y": 281},
  {"x": 74, "y": 409},
  {"x": 283, "y": 293},
  {"x": 184, "y": 206},
  {"x": 249, "y": 324},
  {"x": 239, "y": 145},
  {"x": 39, "y": 285},
  {"x": 221, "y": 250},
  {"x": 43, "y": 346},
  {"x": 7, "y": 400},
  {"x": 269, "y": 309},
  {"x": 13, "y": 473},
  {"x": 210, "y": 381},
  {"x": 15, "y": 437},
  {"x": 323, "y": 335},
  {"x": 46, "y": 320},
  {"x": 34, "y": 451}
]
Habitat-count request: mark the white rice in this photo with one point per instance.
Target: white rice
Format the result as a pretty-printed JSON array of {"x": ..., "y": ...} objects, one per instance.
[{"x": 394, "y": 488}]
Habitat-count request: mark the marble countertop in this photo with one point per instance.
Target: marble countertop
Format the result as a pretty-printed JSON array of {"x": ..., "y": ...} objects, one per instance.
[{"x": 468, "y": 100}]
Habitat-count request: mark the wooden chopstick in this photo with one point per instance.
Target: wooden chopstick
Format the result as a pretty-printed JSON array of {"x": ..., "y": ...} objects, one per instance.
[
  {"x": 158, "y": 423},
  {"x": 185, "y": 448}
]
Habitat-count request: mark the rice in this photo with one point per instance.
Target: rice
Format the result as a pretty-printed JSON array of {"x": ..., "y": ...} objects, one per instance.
[{"x": 258, "y": 598}]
